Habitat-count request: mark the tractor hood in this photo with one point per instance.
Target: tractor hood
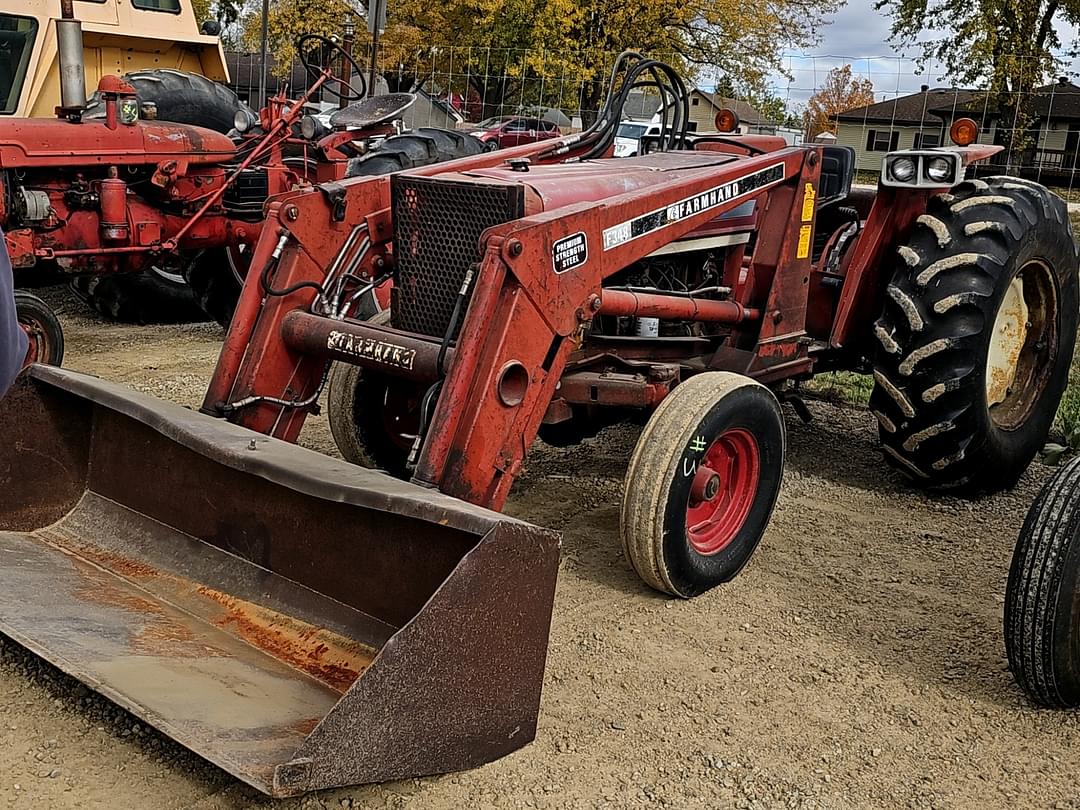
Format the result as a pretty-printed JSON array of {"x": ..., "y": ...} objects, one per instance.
[
  {"x": 41, "y": 142},
  {"x": 554, "y": 186}
]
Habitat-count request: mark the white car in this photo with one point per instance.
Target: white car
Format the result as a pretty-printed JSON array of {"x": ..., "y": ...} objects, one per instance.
[{"x": 629, "y": 135}]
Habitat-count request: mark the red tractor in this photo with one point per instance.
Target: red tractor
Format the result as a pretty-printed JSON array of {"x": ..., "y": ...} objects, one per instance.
[
  {"x": 369, "y": 628},
  {"x": 550, "y": 290},
  {"x": 133, "y": 207}
]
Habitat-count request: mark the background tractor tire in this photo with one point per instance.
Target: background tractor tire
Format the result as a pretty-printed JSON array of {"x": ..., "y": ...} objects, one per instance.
[
  {"x": 152, "y": 296},
  {"x": 181, "y": 98},
  {"x": 1042, "y": 612},
  {"x": 42, "y": 327},
  {"x": 216, "y": 277},
  {"x": 421, "y": 147},
  {"x": 976, "y": 336}
]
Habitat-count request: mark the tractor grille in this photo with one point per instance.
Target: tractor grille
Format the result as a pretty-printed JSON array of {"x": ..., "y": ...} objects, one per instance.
[
  {"x": 437, "y": 228},
  {"x": 248, "y": 192}
]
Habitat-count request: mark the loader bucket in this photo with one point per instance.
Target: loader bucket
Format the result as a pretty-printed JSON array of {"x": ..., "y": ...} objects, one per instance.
[{"x": 300, "y": 622}]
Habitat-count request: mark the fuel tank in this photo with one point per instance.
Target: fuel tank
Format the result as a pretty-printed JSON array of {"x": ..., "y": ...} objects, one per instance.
[{"x": 42, "y": 142}]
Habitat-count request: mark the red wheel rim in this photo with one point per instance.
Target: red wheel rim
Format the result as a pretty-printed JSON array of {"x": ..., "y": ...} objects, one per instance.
[
  {"x": 723, "y": 490},
  {"x": 38, "y": 343}
]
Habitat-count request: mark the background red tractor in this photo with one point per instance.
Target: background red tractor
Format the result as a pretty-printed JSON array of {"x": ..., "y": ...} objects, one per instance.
[{"x": 136, "y": 208}]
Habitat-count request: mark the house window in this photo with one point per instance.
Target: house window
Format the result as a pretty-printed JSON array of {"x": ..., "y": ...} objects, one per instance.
[
  {"x": 927, "y": 140},
  {"x": 694, "y": 101},
  {"x": 881, "y": 140},
  {"x": 172, "y": 6},
  {"x": 17, "y": 35},
  {"x": 691, "y": 126}
]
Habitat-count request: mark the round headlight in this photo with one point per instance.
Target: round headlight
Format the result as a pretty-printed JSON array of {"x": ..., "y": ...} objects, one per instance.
[
  {"x": 902, "y": 170},
  {"x": 310, "y": 127},
  {"x": 242, "y": 121},
  {"x": 940, "y": 170}
]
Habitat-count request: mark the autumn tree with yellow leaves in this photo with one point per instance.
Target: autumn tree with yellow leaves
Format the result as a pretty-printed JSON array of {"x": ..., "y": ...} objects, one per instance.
[
  {"x": 516, "y": 53},
  {"x": 841, "y": 91}
]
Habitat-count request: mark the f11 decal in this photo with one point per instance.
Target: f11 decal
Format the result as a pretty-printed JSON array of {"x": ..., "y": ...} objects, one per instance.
[{"x": 655, "y": 220}]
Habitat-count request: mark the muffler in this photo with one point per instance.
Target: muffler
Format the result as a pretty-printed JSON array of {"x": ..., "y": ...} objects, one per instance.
[{"x": 300, "y": 622}]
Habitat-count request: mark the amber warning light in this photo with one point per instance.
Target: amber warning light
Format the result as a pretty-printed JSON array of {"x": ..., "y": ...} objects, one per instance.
[
  {"x": 726, "y": 121},
  {"x": 964, "y": 132}
]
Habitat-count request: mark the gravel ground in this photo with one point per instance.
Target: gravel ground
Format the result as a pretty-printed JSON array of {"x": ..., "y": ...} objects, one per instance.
[{"x": 856, "y": 662}]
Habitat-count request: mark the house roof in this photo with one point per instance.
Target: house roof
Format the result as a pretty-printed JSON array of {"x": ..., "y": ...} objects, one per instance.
[
  {"x": 925, "y": 107},
  {"x": 1060, "y": 100},
  {"x": 746, "y": 112}
]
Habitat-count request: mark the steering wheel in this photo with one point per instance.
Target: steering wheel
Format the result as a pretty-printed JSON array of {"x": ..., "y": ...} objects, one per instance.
[{"x": 343, "y": 90}]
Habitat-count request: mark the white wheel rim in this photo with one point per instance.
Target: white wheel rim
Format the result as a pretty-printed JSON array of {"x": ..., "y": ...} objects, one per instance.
[{"x": 1007, "y": 340}]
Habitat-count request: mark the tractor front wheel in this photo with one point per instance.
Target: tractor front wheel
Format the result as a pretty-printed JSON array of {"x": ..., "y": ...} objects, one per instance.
[
  {"x": 976, "y": 336},
  {"x": 1042, "y": 612},
  {"x": 702, "y": 483},
  {"x": 374, "y": 419},
  {"x": 42, "y": 328}
]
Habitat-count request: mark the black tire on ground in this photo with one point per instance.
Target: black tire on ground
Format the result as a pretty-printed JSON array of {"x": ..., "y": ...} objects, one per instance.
[
  {"x": 152, "y": 296},
  {"x": 1042, "y": 611},
  {"x": 976, "y": 336},
  {"x": 215, "y": 277},
  {"x": 181, "y": 98},
  {"x": 421, "y": 147},
  {"x": 373, "y": 418},
  {"x": 42, "y": 328},
  {"x": 702, "y": 483},
  {"x": 215, "y": 281}
]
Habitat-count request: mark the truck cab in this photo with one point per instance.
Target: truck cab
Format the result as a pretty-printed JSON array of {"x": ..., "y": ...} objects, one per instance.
[{"x": 119, "y": 36}]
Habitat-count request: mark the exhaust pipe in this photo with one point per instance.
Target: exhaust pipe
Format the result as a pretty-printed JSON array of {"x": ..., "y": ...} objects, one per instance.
[
  {"x": 298, "y": 621},
  {"x": 69, "y": 44}
]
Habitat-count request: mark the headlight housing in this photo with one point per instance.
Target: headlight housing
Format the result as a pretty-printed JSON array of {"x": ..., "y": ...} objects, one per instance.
[
  {"x": 243, "y": 121},
  {"x": 931, "y": 168}
]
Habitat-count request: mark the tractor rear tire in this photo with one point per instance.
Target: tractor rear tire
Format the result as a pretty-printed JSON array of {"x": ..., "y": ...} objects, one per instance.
[
  {"x": 152, "y": 296},
  {"x": 1042, "y": 612},
  {"x": 180, "y": 98},
  {"x": 42, "y": 327},
  {"x": 976, "y": 336},
  {"x": 215, "y": 278},
  {"x": 420, "y": 147},
  {"x": 702, "y": 483}
]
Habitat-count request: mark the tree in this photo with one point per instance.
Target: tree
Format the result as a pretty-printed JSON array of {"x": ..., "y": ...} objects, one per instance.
[
  {"x": 1007, "y": 46},
  {"x": 512, "y": 54},
  {"x": 841, "y": 91}
]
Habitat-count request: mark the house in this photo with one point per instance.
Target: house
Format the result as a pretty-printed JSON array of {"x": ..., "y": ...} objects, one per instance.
[
  {"x": 704, "y": 106},
  {"x": 922, "y": 121}
]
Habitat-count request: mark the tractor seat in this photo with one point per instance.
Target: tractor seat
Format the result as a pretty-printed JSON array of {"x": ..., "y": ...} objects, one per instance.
[{"x": 372, "y": 111}]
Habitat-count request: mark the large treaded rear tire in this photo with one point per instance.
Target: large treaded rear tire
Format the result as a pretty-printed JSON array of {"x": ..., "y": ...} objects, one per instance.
[
  {"x": 142, "y": 298},
  {"x": 180, "y": 97},
  {"x": 421, "y": 147},
  {"x": 943, "y": 310},
  {"x": 1042, "y": 613},
  {"x": 214, "y": 280}
]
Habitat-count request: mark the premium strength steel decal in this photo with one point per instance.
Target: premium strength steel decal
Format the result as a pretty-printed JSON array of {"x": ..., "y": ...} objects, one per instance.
[{"x": 662, "y": 217}]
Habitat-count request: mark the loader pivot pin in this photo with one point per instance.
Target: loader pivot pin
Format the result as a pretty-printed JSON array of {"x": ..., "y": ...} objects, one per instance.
[{"x": 723, "y": 491}]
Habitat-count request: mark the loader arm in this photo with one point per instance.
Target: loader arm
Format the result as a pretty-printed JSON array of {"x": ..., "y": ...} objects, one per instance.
[{"x": 524, "y": 319}]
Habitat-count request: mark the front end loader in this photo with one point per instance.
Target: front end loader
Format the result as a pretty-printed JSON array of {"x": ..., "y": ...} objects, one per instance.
[{"x": 543, "y": 291}]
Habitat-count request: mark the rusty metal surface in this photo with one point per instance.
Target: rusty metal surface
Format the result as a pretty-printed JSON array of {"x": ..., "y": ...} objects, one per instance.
[{"x": 299, "y": 622}]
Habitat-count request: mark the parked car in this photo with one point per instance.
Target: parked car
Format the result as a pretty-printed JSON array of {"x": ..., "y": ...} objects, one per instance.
[
  {"x": 629, "y": 136},
  {"x": 501, "y": 132}
]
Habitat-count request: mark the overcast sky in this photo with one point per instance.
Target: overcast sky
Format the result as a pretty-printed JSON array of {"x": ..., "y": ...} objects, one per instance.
[{"x": 858, "y": 35}]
